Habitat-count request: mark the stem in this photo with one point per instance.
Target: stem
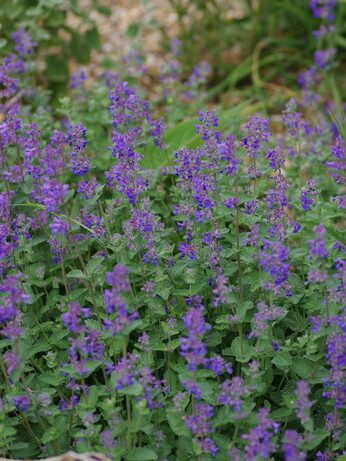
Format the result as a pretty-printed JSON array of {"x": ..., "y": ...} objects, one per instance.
[
  {"x": 30, "y": 431},
  {"x": 128, "y": 403}
]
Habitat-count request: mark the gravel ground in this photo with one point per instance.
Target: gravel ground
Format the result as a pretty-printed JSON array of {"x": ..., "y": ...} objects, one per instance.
[
  {"x": 145, "y": 13},
  {"x": 113, "y": 30}
]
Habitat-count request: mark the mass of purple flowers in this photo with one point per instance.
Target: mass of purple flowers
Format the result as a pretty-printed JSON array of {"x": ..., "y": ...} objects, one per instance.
[{"x": 171, "y": 292}]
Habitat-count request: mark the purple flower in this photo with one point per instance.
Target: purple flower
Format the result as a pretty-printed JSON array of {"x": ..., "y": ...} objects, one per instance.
[
  {"x": 221, "y": 290},
  {"x": 12, "y": 361},
  {"x": 25, "y": 44},
  {"x": 291, "y": 446},
  {"x": 199, "y": 423},
  {"x": 208, "y": 446},
  {"x": 58, "y": 226},
  {"x": 324, "y": 31},
  {"x": 5, "y": 203},
  {"x": 259, "y": 442},
  {"x": 303, "y": 404},
  {"x": 114, "y": 301},
  {"x": 277, "y": 158},
  {"x": 317, "y": 246},
  {"x": 77, "y": 80},
  {"x": 339, "y": 152},
  {"x": 323, "y": 9},
  {"x": 308, "y": 194},
  {"x": 87, "y": 189},
  {"x": 251, "y": 206},
  {"x": 12, "y": 299},
  {"x": 232, "y": 392},
  {"x": 119, "y": 278},
  {"x": 69, "y": 405},
  {"x": 157, "y": 129},
  {"x": 308, "y": 78},
  {"x": 52, "y": 194},
  {"x": 274, "y": 262},
  {"x": 262, "y": 318},
  {"x": 107, "y": 440},
  {"x": 276, "y": 346},
  {"x": 187, "y": 249},
  {"x": 193, "y": 349},
  {"x": 259, "y": 134},
  {"x": 231, "y": 202},
  {"x": 74, "y": 316},
  {"x": 218, "y": 365},
  {"x": 336, "y": 357},
  {"x": 93, "y": 222},
  {"x": 198, "y": 77},
  {"x": 324, "y": 58},
  {"x": 22, "y": 403}
]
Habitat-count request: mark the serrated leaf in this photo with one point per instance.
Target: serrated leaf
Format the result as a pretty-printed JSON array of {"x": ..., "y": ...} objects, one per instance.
[
  {"x": 51, "y": 378},
  {"x": 242, "y": 350},
  {"x": 213, "y": 339},
  {"x": 227, "y": 351},
  {"x": 282, "y": 360},
  {"x": 303, "y": 367},
  {"x": 318, "y": 436},
  {"x": 76, "y": 274},
  {"x": 177, "y": 424},
  {"x": 296, "y": 282},
  {"x": 136, "y": 389},
  {"x": 93, "y": 264},
  {"x": 174, "y": 344}
]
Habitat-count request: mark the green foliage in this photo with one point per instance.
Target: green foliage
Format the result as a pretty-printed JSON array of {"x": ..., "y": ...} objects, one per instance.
[{"x": 46, "y": 22}]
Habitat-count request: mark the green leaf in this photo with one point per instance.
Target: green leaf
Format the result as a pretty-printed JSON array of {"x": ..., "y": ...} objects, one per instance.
[
  {"x": 14, "y": 9},
  {"x": 171, "y": 346},
  {"x": 92, "y": 36},
  {"x": 177, "y": 424},
  {"x": 93, "y": 264},
  {"x": 136, "y": 389},
  {"x": 56, "y": 69},
  {"x": 282, "y": 360},
  {"x": 55, "y": 432},
  {"x": 80, "y": 49},
  {"x": 243, "y": 308},
  {"x": 242, "y": 350},
  {"x": 105, "y": 10},
  {"x": 296, "y": 283},
  {"x": 56, "y": 18},
  {"x": 213, "y": 339},
  {"x": 318, "y": 436},
  {"x": 132, "y": 30},
  {"x": 54, "y": 379},
  {"x": 76, "y": 274},
  {"x": 141, "y": 454},
  {"x": 303, "y": 367}
]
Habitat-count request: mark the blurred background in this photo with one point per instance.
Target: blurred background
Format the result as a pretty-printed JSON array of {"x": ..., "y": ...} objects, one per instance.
[{"x": 249, "y": 48}]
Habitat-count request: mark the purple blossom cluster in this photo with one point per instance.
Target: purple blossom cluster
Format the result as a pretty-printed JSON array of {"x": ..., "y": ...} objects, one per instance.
[
  {"x": 233, "y": 392},
  {"x": 214, "y": 249},
  {"x": 274, "y": 262},
  {"x": 303, "y": 403},
  {"x": 323, "y": 9},
  {"x": 193, "y": 349},
  {"x": 262, "y": 318},
  {"x": 260, "y": 438},
  {"x": 199, "y": 425},
  {"x": 259, "y": 134},
  {"x": 115, "y": 303}
]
